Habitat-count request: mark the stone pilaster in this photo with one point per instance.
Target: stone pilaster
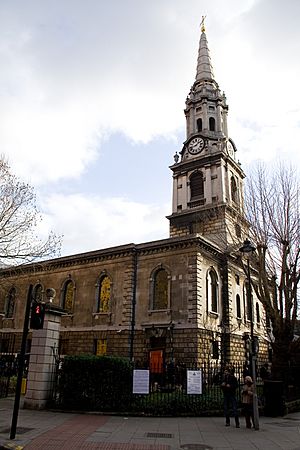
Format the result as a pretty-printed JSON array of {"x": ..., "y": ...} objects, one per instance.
[{"x": 42, "y": 364}]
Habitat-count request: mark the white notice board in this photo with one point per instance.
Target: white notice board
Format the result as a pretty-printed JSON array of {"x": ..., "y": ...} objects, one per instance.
[
  {"x": 140, "y": 381},
  {"x": 194, "y": 381}
]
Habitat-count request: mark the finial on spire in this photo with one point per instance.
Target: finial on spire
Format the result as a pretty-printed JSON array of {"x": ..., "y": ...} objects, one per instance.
[{"x": 202, "y": 24}]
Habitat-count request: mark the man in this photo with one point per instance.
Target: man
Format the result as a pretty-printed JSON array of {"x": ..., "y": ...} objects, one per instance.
[{"x": 229, "y": 386}]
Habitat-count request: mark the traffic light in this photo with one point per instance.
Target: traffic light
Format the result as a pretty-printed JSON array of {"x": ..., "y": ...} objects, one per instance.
[{"x": 37, "y": 315}]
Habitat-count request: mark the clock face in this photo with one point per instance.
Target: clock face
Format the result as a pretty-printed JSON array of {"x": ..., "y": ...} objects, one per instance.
[
  {"x": 196, "y": 145},
  {"x": 230, "y": 149}
]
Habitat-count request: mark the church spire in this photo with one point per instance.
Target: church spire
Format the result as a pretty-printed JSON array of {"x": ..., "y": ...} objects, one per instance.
[
  {"x": 207, "y": 181},
  {"x": 206, "y": 108},
  {"x": 204, "y": 67}
]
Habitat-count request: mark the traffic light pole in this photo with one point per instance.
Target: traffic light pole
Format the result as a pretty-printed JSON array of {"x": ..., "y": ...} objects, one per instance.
[{"x": 21, "y": 366}]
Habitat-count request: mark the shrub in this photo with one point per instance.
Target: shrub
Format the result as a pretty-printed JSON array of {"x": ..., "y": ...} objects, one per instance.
[{"x": 95, "y": 383}]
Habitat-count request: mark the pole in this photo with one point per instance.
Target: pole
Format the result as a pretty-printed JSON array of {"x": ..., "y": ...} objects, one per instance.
[
  {"x": 21, "y": 366},
  {"x": 253, "y": 354}
]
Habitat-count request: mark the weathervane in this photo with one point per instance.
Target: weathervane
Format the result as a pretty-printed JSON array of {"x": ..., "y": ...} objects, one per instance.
[{"x": 202, "y": 24}]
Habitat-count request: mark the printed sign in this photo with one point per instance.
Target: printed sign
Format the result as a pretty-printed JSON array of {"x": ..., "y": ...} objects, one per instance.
[
  {"x": 140, "y": 381},
  {"x": 194, "y": 381}
]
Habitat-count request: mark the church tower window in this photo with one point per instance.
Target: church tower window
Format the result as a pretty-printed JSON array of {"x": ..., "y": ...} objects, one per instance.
[
  {"x": 234, "y": 191},
  {"x": 212, "y": 286},
  {"x": 197, "y": 185},
  {"x": 10, "y": 303},
  {"x": 68, "y": 296},
  {"x": 199, "y": 125},
  {"x": 212, "y": 124}
]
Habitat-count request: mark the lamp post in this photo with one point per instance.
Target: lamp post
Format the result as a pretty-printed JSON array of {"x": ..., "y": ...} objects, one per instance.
[{"x": 247, "y": 249}]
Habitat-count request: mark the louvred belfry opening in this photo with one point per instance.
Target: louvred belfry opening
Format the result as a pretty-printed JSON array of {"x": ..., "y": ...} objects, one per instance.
[{"x": 196, "y": 184}]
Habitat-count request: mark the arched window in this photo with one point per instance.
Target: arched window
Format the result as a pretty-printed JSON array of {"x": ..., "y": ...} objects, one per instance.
[
  {"x": 160, "y": 289},
  {"x": 212, "y": 124},
  {"x": 238, "y": 306},
  {"x": 233, "y": 189},
  {"x": 197, "y": 185},
  {"x": 10, "y": 303},
  {"x": 199, "y": 125},
  {"x": 68, "y": 296},
  {"x": 37, "y": 294},
  {"x": 247, "y": 299},
  {"x": 104, "y": 295},
  {"x": 212, "y": 286},
  {"x": 215, "y": 354},
  {"x": 257, "y": 313}
]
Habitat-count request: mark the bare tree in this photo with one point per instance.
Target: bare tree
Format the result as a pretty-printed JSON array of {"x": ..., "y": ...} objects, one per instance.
[
  {"x": 273, "y": 206},
  {"x": 19, "y": 218}
]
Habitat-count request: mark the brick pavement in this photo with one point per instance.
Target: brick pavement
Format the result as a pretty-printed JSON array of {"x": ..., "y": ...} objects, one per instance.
[
  {"x": 51, "y": 430},
  {"x": 73, "y": 434}
]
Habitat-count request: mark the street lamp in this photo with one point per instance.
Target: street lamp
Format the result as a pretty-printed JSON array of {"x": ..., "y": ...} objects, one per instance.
[{"x": 247, "y": 249}]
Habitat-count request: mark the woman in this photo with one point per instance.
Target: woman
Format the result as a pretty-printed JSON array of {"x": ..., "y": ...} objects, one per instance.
[{"x": 247, "y": 401}]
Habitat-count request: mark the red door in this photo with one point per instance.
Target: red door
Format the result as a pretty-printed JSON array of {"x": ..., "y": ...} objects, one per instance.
[{"x": 156, "y": 361}]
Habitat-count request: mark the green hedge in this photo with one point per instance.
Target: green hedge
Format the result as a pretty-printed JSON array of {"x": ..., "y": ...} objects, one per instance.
[{"x": 95, "y": 383}]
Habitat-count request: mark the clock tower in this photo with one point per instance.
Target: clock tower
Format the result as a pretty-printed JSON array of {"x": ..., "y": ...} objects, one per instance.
[{"x": 207, "y": 179}]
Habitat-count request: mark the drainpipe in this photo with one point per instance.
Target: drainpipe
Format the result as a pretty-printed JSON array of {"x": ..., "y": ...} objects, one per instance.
[
  {"x": 133, "y": 305},
  {"x": 225, "y": 323}
]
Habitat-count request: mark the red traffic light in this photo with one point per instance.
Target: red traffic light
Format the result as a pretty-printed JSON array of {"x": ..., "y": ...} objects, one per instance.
[{"x": 37, "y": 316}]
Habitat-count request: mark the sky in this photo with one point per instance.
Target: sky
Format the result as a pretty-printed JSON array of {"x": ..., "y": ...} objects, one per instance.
[{"x": 92, "y": 97}]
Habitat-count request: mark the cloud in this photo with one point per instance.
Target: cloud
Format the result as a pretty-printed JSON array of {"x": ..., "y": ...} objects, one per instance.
[
  {"x": 71, "y": 74},
  {"x": 96, "y": 222},
  {"x": 74, "y": 75}
]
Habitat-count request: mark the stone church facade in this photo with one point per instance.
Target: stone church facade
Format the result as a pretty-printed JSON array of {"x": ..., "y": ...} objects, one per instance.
[{"x": 181, "y": 299}]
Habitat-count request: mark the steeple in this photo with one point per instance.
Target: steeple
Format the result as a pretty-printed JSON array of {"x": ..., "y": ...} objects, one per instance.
[
  {"x": 206, "y": 108},
  {"x": 204, "y": 67},
  {"x": 207, "y": 181}
]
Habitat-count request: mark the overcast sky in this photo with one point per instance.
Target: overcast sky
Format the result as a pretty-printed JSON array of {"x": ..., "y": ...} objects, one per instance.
[{"x": 92, "y": 95}]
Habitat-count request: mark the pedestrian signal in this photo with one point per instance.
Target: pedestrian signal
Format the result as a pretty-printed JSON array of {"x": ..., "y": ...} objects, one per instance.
[{"x": 37, "y": 316}]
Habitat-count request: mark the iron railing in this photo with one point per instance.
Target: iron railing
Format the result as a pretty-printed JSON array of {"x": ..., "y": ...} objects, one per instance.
[{"x": 168, "y": 392}]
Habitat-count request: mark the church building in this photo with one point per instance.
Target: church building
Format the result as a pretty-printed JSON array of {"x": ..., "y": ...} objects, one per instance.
[{"x": 181, "y": 299}]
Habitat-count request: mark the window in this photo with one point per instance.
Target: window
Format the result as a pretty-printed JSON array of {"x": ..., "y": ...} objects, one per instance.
[
  {"x": 10, "y": 303},
  {"x": 257, "y": 313},
  {"x": 160, "y": 289},
  {"x": 199, "y": 125},
  {"x": 104, "y": 295},
  {"x": 247, "y": 297},
  {"x": 197, "y": 185},
  {"x": 212, "y": 124},
  {"x": 238, "y": 306},
  {"x": 215, "y": 350},
  {"x": 68, "y": 296},
  {"x": 37, "y": 294},
  {"x": 233, "y": 189},
  {"x": 100, "y": 347},
  {"x": 212, "y": 291}
]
